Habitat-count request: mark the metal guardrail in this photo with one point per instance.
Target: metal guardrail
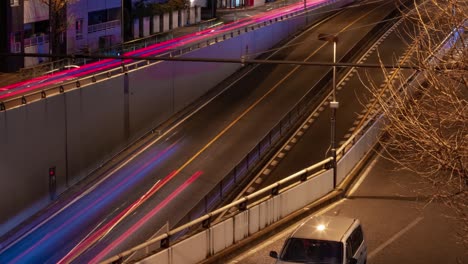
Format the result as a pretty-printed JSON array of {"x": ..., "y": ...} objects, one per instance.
[
  {"x": 50, "y": 67},
  {"x": 205, "y": 220},
  {"x": 137, "y": 44},
  {"x": 83, "y": 81},
  {"x": 214, "y": 22}
]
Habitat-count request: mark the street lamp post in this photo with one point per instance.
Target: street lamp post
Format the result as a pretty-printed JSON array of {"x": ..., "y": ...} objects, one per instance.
[{"x": 333, "y": 104}]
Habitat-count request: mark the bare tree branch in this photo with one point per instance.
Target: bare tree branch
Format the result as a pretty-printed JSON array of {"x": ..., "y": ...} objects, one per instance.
[{"x": 426, "y": 128}]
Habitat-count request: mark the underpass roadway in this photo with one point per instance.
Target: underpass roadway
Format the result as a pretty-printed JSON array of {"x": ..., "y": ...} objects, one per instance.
[
  {"x": 400, "y": 222},
  {"x": 164, "y": 179}
]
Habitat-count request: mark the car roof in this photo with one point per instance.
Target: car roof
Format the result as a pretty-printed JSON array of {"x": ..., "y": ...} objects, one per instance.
[{"x": 335, "y": 228}]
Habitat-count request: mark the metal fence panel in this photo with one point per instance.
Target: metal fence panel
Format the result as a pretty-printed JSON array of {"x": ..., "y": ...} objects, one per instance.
[
  {"x": 228, "y": 184},
  {"x": 254, "y": 219},
  {"x": 293, "y": 199},
  {"x": 191, "y": 250},
  {"x": 321, "y": 184},
  {"x": 352, "y": 157},
  {"x": 275, "y": 209},
  {"x": 160, "y": 258},
  {"x": 221, "y": 235},
  {"x": 306, "y": 192},
  {"x": 241, "y": 222},
  {"x": 264, "y": 217},
  {"x": 139, "y": 254},
  {"x": 269, "y": 212}
]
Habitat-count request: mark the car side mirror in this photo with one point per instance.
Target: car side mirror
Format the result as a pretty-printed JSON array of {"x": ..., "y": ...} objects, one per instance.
[
  {"x": 274, "y": 254},
  {"x": 352, "y": 261}
]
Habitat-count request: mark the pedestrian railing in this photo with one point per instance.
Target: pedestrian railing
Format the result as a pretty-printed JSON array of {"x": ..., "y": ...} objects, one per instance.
[
  {"x": 36, "y": 40},
  {"x": 103, "y": 26}
]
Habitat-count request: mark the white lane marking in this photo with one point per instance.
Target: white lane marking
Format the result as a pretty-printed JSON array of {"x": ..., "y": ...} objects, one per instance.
[
  {"x": 363, "y": 176},
  {"x": 280, "y": 235},
  {"x": 394, "y": 237}
]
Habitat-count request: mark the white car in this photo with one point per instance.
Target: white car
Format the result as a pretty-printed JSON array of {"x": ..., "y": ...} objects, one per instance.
[{"x": 325, "y": 239}]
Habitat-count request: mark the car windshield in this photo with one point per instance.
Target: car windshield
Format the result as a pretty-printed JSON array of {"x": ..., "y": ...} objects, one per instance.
[{"x": 303, "y": 250}]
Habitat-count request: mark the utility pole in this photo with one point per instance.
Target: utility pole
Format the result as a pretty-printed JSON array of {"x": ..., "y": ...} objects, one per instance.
[{"x": 333, "y": 104}]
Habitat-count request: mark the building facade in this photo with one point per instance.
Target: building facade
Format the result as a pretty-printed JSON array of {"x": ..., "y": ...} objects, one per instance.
[
  {"x": 90, "y": 25},
  {"x": 11, "y": 32}
]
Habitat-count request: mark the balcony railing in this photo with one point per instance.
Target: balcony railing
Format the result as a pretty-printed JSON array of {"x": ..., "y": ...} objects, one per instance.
[
  {"x": 33, "y": 41},
  {"x": 103, "y": 26}
]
